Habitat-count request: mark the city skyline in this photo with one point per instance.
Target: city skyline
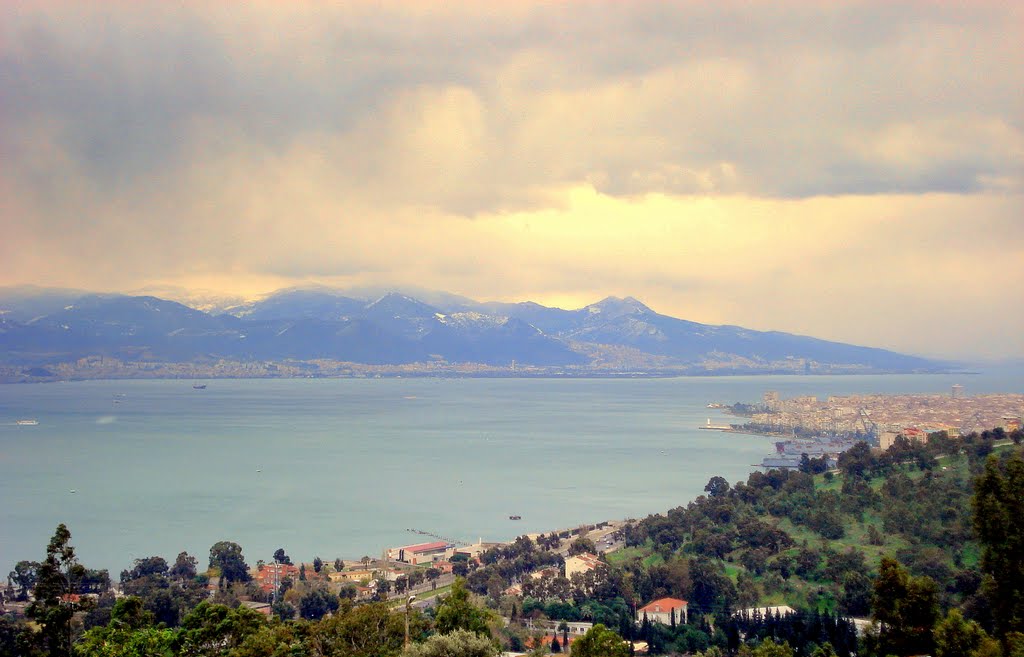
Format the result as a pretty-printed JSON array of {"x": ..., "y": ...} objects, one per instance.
[{"x": 851, "y": 171}]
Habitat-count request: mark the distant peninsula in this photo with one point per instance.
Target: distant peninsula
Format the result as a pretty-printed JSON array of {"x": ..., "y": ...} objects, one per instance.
[{"x": 48, "y": 335}]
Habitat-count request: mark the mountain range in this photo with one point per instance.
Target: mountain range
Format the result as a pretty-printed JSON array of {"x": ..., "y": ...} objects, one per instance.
[{"x": 41, "y": 327}]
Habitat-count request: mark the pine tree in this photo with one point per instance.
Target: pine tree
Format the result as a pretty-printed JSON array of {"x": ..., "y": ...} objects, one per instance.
[
  {"x": 55, "y": 600},
  {"x": 999, "y": 523}
]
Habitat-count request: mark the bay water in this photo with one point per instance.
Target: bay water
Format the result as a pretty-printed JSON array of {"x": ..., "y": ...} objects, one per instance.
[{"x": 346, "y": 467}]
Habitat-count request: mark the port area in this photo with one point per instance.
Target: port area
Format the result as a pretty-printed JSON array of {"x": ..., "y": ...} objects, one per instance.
[{"x": 825, "y": 428}]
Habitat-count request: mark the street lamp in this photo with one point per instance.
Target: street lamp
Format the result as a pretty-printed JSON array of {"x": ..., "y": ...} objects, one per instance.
[{"x": 408, "y": 608}]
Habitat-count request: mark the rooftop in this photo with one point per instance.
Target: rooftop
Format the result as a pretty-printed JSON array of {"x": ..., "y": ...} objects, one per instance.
[{"x": 662, "y": 605}]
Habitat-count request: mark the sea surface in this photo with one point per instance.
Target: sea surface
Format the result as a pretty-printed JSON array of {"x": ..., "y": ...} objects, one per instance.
[{"x": 345, "y": 467}]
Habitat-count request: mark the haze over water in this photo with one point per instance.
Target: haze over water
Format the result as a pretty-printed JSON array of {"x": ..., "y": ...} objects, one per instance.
[{"x": 344, "y": 467}]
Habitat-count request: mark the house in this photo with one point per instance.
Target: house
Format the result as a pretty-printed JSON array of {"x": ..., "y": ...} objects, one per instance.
[
  {"x": 779, "y": 610},
  {"x": 270, "y": 575},
  {"x": 419, "y": 554},
  {"x": 915, "y": 435},
  {"x": 552, "y": 627},
  {"x": 662, "y": 611},
  {"x": 475, "y": 550},
  {"x": 357, "y": 576},
  {"x": 581, "y": 563},
  {"x": 534, "y": 642},
  {"x": 544, "y": 573}
]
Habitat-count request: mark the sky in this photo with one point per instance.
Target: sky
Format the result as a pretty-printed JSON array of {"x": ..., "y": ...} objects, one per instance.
[{"x": 848, "y": 170}]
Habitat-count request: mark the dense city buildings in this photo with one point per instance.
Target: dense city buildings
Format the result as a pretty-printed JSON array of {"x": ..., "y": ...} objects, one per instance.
[{"x": 871, "y": 416}]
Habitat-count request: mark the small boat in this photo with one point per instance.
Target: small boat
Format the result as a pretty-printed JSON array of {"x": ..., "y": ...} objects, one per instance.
[
  {"x": 515, "y": 517},
  {"x": 199, "y": 386},
  {"x": 27, "y": 423}
]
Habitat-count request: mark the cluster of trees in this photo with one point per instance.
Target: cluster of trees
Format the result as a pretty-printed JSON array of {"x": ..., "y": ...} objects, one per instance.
[{"x": 808, "y": 632}]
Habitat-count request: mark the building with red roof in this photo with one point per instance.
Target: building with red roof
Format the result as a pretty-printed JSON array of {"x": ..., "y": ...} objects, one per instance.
[
  {"x": 662, "y": 611},
  {"x": 270, "y": 575},
  {"x": 420, "y": 553}
]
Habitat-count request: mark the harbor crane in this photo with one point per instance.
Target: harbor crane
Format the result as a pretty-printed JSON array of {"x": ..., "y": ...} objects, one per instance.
[{"x": 870, "y": 426}]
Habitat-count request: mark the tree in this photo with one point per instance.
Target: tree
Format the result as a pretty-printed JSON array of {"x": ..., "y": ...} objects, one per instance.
[
  {"x": 227, "y": 557},
  {"x": 998, "y": 506},
  {"x": 711, "y": 587},
  {"x": 283, "y": 610},
  {"x": 318, "y": 564},
  {"x": 556, "y": 646},
  {"x": 370, "y": 630},
  {"x": 433, "y": 574},
  {"x": 599, "y": 641},
  {"x": 717, "y": 487},
  {"x": 144, "y": 568},
  {"x": 856, "y": 596},
  {"x": 55, "y": 593},
  {"x": 119, "y": 642},
  {"x": 24, "y": 577},
  {"x": 906, "y": 607},
  {"x": 17, "y": 639},
  {"x": 858, "y": 461},
  {"x": 955, "y": 637},
  {"x": 184, "y": 568},
  {"x": 318, "y": 603},
  {"x": 281, "y": 557},
  {"x": 771, "y": 649},
  {"x": 747, "y": 592},
  {"x": 459, "y": 643},
  {"x": 216, "y": 630},
  {"x": 581, "y": 545},
  {"x": 457, "y": 611}
]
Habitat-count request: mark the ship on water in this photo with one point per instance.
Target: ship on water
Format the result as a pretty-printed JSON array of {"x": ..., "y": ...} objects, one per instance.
[{"x": 27, "y": 423}]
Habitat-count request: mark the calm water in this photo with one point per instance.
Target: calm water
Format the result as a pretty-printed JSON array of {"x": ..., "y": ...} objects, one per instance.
[{"x": 343, "y": 467}]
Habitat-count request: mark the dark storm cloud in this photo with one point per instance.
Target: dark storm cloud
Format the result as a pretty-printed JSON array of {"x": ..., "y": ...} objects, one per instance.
[{"x": 124, "y": 84}]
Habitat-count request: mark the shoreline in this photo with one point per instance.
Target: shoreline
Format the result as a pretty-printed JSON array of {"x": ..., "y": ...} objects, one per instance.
[{"x": 520, "y": 375}]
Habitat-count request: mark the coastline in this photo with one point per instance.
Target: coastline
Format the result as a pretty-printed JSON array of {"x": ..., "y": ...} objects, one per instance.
[
  {"x": 103, "y": 368},
  {"x": 345, "y": 465}
]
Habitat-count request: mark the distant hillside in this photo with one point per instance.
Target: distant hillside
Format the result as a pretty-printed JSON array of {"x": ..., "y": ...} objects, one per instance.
[{"x": 40, "y": 327}]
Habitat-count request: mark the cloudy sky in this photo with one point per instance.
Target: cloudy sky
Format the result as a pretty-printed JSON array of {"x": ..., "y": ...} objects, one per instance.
[{"x": 849, "y": 170}]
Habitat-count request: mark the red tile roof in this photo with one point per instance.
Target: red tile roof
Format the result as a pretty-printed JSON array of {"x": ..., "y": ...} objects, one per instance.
[
  {"x": 662, "y": 606},
  {"x": 426, "y": 547}
]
